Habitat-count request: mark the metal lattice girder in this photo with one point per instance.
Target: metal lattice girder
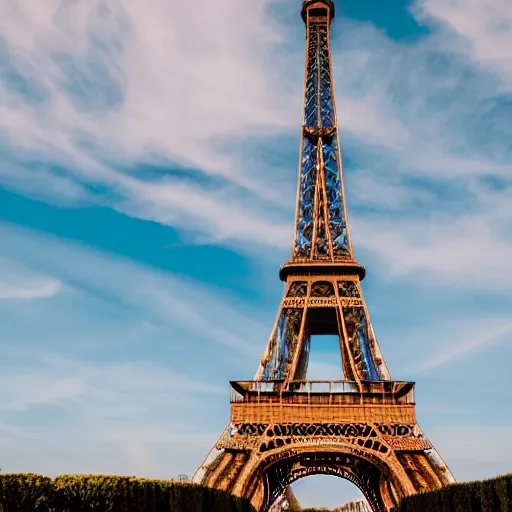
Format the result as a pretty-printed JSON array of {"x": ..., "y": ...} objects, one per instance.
[{"x": 283, "y": 427}]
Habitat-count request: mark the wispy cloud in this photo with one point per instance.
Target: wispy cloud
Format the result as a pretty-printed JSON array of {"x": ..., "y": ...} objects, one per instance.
[
  {"x": 443, "y": 249},
  {"x": 485, "y": 27},
  {"x": 486, "y": 336},
  {"x": 20, "y": 283},
  {"x": 30, "y": 289},
  {"x": 90, "y": 95},
  {"x": 127, "y": 363},
  {"x": 135, "y": 413},
  {"x": 134, "y": 418},
  {"x": 429, "y": 188},
  {"x": 117, "y": 391},
  {"x": 96, "y": 89},
  {"x": 160, "y": 296},
  {"x": 321, "y": 370}
]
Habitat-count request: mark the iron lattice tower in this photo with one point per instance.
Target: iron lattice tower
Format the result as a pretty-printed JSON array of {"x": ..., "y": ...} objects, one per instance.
[{"x": 283, "y": 427}]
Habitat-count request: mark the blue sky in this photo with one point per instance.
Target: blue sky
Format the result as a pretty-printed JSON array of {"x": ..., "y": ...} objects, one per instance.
[{"x": 148, "y": 163}]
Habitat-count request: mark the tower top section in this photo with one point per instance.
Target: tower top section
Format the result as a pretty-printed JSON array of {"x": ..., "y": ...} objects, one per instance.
[
  {"x": 322, "y": 242},
  {"x": 320, "y": 8}
]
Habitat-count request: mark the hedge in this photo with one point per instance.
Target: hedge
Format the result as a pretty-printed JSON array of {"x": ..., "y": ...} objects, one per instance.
[
  {"x": 100, "y": 493},
  {"x": 486, "y": 496}
]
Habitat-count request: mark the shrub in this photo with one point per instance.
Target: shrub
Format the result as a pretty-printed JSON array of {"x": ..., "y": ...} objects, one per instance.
[
  {"x": 102, "y": 493},
  {"x": 493, "y": 495},
  {"x": 504, "y": 493},
  {"x": 25, "y": 492}
]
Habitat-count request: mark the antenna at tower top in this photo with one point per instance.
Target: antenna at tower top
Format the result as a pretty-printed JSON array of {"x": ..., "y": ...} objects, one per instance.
[{"x": 318, "y": 5}]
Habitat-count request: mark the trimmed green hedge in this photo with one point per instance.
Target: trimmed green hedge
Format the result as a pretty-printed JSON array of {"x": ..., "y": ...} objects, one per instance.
[
  {"x": 98, "y": 493},
  {"x": 487, "y": 496}
]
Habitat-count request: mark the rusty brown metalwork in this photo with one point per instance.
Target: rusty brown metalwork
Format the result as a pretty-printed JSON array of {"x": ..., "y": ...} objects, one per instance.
[{"x": 362, "y": 427}]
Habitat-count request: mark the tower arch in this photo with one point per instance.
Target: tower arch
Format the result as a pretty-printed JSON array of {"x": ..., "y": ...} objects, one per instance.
[{"x": 288, "y": 465}]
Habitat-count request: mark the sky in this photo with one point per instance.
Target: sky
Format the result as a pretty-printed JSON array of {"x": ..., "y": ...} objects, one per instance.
[{"x": 148, "y": 169}]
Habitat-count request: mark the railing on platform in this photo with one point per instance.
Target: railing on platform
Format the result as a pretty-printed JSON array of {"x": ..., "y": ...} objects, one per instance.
[{"x": 337, "y": 392}]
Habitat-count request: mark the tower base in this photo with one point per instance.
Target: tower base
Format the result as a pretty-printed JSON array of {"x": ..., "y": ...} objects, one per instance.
[{"x": 365, "y": 432}]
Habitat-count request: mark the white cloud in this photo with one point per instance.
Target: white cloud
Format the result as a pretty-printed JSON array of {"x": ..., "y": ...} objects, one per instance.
[
  {"x": 32, "y": 289},
  {"x": 407, "y": 105},
  {"x": 138, "y": 408},
  {"x": 431, "y": 145},
  {"x": 160, "y": 296},
  {"x": 20, "y": 283},
  {"x": 432, "y": 186},
  {"x": 485, "y": 25},
  {"x": 442, "y": 249},
  {"x": 476, "y": 337},
  {"x": 22, "y": 391},
  {"x": 99, "y": 391},
  {"x": 125, "y": 84}
]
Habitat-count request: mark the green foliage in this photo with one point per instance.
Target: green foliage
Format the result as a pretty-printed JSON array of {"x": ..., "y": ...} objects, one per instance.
[
  {"x": 25, "y": 492},
  {"x": 487, "y": 496},
  {"x": 103, "y": 493},
  {"x": 504, "y": 492}
]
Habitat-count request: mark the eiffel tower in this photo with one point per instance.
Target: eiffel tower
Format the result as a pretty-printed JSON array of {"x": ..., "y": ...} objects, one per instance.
[{"x": 283, "y": 427}]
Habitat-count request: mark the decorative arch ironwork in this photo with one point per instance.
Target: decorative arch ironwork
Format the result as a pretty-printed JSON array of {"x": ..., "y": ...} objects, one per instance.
[{"x": 283, "y": 469}]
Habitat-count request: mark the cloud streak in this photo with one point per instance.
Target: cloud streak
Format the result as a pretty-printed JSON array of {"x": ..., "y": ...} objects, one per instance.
[
  {"x": 127, "y": 363},
  {"x": 484, "y": 26},
  {"x": 161, "y": 297},
  {"x": 492, "y": 335},
  {"x": 93, "y": 92},
  {"x": 107, "y": 408},
  {"x": 99, "y": 391},
  {"x": 118, "y": 105},
  {"x": 26, "y": 290},
  {"x": 18, "y": 282}
]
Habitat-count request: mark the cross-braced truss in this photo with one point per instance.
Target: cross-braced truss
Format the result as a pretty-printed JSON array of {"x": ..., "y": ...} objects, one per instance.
[{"x": 283, "y": 427}]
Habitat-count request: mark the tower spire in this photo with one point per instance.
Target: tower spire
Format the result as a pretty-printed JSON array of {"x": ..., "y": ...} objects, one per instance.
[{"x": 322, "y": 239}]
